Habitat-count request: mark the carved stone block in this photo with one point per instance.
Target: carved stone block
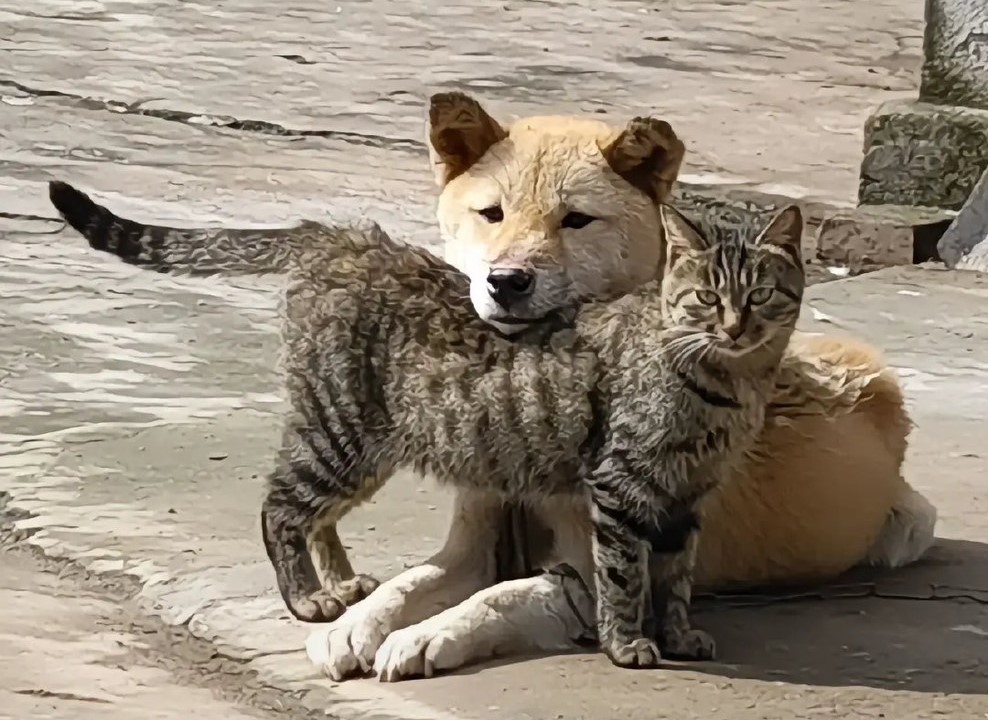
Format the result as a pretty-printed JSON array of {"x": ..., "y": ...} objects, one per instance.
[
  {"x": 922, "y": 154},
  {"x": 870, "y": 237},
  {"x": 955, "y": 49}
]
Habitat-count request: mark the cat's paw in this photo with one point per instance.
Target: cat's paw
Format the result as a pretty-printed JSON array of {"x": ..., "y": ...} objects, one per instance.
[
  {"x": 417, "y": 651},
  {"x": 692, "y": 644},
  {"x": 639, "y": 653},
  {"x": 352, "y": 591},
  {"x": 347, "y": 647},
  {"x": 321, "y": 606},
  {"x": 329, "y": 603}
]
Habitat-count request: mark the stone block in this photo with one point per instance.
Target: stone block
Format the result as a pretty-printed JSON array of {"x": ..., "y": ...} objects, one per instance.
[
  {"x": 965, "y": 244},
  {"x": 870, "y": 237},
  {"x": 955, "y": 49},
  {"x": 923, "y": 155}
]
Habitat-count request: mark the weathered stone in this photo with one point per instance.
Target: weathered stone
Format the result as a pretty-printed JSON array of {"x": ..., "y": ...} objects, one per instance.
[
  {"x": 870, "y": 237},
  {"x": 965, "y": 244},
  {"x": 955, "y": 46},
  {"x": 977, "y": 259},
  {"x": 922, "y": 154}
]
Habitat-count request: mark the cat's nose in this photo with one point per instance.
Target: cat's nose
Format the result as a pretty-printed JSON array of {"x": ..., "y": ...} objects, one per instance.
[
  {"x": 734, "y": 331},
  {"x": 509, "y": 286}
]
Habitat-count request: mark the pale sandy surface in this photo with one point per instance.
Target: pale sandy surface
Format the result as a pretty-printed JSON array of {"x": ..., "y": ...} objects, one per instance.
[
  {"x": 72, "y": 651},
  {"x": 139, "y": 411}
]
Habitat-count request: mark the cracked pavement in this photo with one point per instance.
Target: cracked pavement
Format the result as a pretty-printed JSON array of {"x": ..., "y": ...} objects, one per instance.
[
  {"x": 139, "y": 411},
  {"x": 113, "y": 664}
]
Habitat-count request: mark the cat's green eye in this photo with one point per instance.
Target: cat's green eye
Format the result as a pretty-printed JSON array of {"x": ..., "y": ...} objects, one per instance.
[
  {"x": 707, "y": 297},
  {"x": 761, "y": 295}
]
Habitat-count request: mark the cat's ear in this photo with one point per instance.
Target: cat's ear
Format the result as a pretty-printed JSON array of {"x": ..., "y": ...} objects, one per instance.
[
  {"x": 459, "y": 133},
  {"x": 785, "y": 230},
  {"x": 681, "y": 235},
  {"x": 648, "y": 155}
]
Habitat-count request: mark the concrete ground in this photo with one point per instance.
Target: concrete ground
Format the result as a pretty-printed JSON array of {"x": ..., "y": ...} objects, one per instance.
[
  {"x": 140, "y": 411},
  {"x": 71, "y": 649}
]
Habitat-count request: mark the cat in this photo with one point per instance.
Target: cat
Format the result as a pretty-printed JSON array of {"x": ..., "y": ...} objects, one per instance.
[{"x": 639, "y": 404}]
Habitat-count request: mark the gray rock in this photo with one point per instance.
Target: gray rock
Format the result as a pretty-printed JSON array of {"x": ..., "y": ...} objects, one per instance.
[
  {"x": 870, "y": 237},
  {"x": 965, "y": 244},
  {"x": 922, "y": 154},
  {"x": 955, "y": 46}
]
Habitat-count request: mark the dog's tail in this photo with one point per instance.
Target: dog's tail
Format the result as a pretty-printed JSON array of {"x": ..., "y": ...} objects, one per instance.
[{"x": 197, "y": 251}]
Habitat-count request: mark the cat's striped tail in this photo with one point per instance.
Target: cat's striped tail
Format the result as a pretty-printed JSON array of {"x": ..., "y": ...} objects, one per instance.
[{"x": 196, "y": 251}]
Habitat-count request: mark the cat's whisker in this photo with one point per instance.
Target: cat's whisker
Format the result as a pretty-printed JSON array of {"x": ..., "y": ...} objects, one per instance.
[
  {"x": 678, "y": 352},
  {"x": 682, "y": 341},
  {"x": 684, "y": 354},
  {"x": 707, "y": 346},
  {"x": 675, "y": 345},
  {"x": 688, "y": 348}
]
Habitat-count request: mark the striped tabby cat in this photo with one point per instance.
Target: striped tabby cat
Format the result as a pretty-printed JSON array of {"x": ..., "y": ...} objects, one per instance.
[{"x": 641, "y": 404}]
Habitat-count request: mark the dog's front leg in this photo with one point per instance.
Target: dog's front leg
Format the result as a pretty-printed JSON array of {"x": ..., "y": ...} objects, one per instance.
[
  {"x": 551, "y": 612},
  {"x": 464, "y": 565}
]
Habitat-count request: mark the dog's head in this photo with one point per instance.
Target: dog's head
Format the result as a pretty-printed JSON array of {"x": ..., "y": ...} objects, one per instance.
[{"x": 549, "y": 209}]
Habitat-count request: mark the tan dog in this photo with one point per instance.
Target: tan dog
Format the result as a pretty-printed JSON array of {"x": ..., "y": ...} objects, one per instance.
[{"x": 558, "y": 207}]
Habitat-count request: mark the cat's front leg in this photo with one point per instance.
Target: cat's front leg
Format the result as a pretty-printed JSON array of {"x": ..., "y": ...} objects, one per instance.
[
  {"x": 620, "y": 560},
  {"x": 672, "y": 563},
  {"x": 341, "y": 586},
  {"x": 621, "y": 575},
  {"x": 285, "y": 520},
  {"x": 306, "y": 495}
]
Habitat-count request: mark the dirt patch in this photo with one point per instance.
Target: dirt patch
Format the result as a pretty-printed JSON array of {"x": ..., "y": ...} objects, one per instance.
[{"x": 190, "y": 661}]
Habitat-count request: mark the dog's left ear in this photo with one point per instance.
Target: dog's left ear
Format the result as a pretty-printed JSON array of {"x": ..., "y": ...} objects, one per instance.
[
  {"x": 460, "y": 132},
  {"x": 648, "y": 155}
]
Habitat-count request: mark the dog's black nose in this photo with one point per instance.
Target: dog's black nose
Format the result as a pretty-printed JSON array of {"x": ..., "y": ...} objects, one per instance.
[{"x": 508, "y": 286}]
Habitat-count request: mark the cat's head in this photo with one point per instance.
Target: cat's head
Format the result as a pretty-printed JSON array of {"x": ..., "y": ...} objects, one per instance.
[{"x": 733, "y": 298}]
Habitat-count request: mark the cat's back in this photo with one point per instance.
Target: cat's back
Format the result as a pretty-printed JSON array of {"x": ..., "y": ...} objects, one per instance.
[
  {"x": 366, "y": 260},
  {"x": 363, "y": 275}
]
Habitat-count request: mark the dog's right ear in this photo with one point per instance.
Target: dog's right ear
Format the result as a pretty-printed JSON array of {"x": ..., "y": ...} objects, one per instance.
[
  {"x": 648, "y": 154},
  {"x": 460, "y": 131}
]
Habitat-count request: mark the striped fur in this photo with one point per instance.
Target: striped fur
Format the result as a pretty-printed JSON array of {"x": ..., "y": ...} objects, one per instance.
[
  {"x": 639, "y": 404},
  {"x": 642, "y": 404},
  {"x": 193, "y": 251}
]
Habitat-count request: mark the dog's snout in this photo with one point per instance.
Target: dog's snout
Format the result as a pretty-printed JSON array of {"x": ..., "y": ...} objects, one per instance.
[{"x": 508, "y": 286}]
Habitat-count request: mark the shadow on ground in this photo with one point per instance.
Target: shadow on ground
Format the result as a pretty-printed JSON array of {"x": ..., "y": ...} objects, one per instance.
[{"x": 922, "y": 628}]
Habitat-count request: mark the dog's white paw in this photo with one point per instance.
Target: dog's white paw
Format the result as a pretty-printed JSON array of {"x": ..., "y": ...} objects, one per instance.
[
  {"x": 418, "y": 651},
  {"x": 347, "y": 646}
]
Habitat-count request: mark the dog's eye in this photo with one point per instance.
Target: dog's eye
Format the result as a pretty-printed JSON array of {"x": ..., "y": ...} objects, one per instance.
[
  {"x": 761, "y": 295},
  {"x": 707, "y": 297},
  {"x": 492, "y": 214},
  {"x": 577, "y": 220}
]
